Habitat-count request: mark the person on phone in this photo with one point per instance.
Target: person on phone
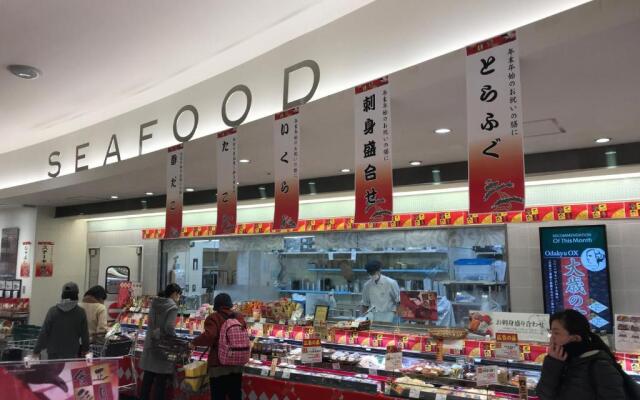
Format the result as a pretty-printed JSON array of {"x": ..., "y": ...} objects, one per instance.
[
  {"x": 162, "y": 323},
  {"x": 579, "y": 364}
]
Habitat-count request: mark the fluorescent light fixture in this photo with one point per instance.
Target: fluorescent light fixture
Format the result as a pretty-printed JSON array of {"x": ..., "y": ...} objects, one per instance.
[
  {"x": 442, "y": 131},
  {"x": 244, "y": 161},
  {"x": 149, "y": 193},
  {"x": 189, "y": 190},
  {"x": 345, "y": 170},
  {"x": 415, "y": 163},
  {"x": 603, "y": 140},
  {"x": 114, "y": 197}
]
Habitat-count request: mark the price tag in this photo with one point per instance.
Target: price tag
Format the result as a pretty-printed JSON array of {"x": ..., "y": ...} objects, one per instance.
[
  {"x": 264, "y": 372},
  {"x": 414, "y": 393},
  {"x": 286, "y": 374},
  {"x": 373, "y": 371},
  {"x": 393, "y": 361},
  {"x": 263, "y": 357},
  {"x": 441, "y": 396},
  {"x": 487, "y": 375},
  {"x": 335, "y": 366},
  {"x": 523, "y": 391}
]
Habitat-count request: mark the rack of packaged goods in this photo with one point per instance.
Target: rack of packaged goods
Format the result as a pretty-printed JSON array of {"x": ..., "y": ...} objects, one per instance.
[{"x": 454, "y": 375}]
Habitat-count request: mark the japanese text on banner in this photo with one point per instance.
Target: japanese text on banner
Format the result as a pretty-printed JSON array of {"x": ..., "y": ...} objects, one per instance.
[
  {"x": 175, "y": 162},
  {"x": 286, "y": 142},
  {"x": 494, "y": 126},
  {"x": 227, "y": 172},
  {"x": 373, "y": 168}
]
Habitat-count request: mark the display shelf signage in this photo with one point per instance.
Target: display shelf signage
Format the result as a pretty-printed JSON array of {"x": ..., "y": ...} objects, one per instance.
[{"x": 575, "y": 272}]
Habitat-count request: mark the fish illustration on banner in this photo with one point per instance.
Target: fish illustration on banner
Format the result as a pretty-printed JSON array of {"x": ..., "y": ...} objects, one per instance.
[{"x": 494, "y": 126}]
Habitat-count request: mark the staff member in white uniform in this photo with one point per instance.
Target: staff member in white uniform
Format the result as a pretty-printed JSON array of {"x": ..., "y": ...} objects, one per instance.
[{"x": 380, "y": 294}]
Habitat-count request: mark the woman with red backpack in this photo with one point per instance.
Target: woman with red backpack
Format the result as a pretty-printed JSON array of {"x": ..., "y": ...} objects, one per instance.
[{"x": 225, "y": 334}]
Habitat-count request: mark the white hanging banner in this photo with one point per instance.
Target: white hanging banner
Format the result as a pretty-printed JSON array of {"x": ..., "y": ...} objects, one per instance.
[
  {"x": 227, "y": 174},
  {"x": 494, "y": 126},
  {"x": 286, "y": 144},
  {"x": 373, "y": 168},
  {"x": 175, "y": 187}
]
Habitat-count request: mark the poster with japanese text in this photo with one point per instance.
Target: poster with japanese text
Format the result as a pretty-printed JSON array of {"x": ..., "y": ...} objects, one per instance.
[
  {"x": 175, "y": 187},
  {"x": 44, "y": 259},
  {"x": 286, "y": 145},
  {"x": 59, "y": 380},
  {"x": 627, "y": 333},
  {"x": 575, "y": 272},
  {"x": 25, "y": 265},
  {"x": 528, "y": 327},
  {"x": 494, "y": 126},
  {"x": 373, "y": 168},
  {"x": 227, "y": 177}
]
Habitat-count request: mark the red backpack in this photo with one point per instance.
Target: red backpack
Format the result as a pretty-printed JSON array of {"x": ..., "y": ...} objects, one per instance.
[{"x": 234, "y": 347}]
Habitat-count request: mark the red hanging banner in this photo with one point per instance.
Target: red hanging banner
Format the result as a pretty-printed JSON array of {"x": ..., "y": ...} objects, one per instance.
[
  {"x": 227, "y": 172},
  {"x": 494, "y": 126},
  {"x": 175, "y": 162},
  {"x": 373, "y": 168},
  {"x": 286, "y": 142}
]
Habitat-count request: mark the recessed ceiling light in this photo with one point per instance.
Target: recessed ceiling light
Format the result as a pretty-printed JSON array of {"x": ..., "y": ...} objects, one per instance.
[
  {"x": 24, "y": 71},
  {"x": 415, "y": 163},
  {"x": 610, "y": 153},
  {"x": 114, "y": 197},
  {"x": 149, "y": 193},
  {"x": 345, "y": 170},
  {"x": 189, "y": 190},
  {"x": 244, "y": 161},
  {"x": 442, "y": 131},
  {"x": 603, "y": 140}
]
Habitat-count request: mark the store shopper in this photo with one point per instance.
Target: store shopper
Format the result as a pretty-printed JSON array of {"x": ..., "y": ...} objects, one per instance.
[
  {"x": 226, "y": 380},
  {"x": 93, "y": 305},
  {"x": 380, "y": 294},
  {"x": 64, "y": 333},
  {"x": 579, "y": 364},
  {"x": 158, "y": 370}
]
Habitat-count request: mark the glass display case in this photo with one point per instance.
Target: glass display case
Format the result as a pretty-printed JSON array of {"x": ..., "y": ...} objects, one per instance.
[{"x": 462, "y": 268}]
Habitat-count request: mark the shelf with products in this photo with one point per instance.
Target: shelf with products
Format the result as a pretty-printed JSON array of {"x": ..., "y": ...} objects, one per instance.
[
  {"x": 364, "y": 252},
  {"x": 385, "y": 271}
]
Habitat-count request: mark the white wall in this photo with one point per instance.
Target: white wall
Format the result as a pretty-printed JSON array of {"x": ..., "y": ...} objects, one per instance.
[
  {"x": 23, "y": 218},
  {"x": 69, "y": 260},
  {"x": 525, "y": 275}
]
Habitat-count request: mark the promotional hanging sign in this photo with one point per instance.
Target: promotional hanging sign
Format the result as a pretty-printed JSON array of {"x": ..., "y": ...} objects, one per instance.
[
  {"x": 44, "y": 263},
  {"x": 25, "y": 266},
  {"x": 227, "y": 173},
  {"x": 373, "y": 168},
  {"x": 175, "y": 187},
  {"x": 494, "y": 126},
  {"x": 286, "y": 144}
]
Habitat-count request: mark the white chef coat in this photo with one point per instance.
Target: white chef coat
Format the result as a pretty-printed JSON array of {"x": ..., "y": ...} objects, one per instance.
[{"x": 384, "y": 295}]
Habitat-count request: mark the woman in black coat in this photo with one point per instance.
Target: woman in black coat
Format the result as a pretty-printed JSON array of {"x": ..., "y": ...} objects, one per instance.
[{"x": 579, "y": 365}]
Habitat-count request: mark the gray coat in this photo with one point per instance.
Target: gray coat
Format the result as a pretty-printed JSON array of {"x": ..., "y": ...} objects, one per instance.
[
  {"x": 162, "y": 315},
  {"x": 589, "y": 377},
  {"x": 64, "y": 333}
]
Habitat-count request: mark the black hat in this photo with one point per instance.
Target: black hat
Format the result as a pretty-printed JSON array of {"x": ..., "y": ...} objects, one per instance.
[
  {"x": 373, "y": 266},
  {"x": 222, "y": 300},
  {"x": 70, "y": 291}
]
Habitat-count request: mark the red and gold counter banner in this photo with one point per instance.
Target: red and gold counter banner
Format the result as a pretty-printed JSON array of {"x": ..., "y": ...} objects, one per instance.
[
  {"x": 286, "y": 145},
  {"x": 227, "y": 172},
  {"x": 373, "y": 169},
  {"x": 494, "y": 126},
  {"x": 569, "y": 212},
  {"x": 175, "y": 187},
  {"x": 60, "y": 380},
  {"x": 25, "y": 266}
]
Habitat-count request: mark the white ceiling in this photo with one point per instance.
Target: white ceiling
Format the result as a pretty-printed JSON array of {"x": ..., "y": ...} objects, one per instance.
[
  {"x": 100, "y": 59},
  {"x": 578, "y": 68}
]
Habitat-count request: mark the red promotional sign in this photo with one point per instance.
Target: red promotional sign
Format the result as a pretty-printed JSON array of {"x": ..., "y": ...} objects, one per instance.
[
  {"x": 44, "y": 262},
  {"x": 286, "y": 144},
  {"x": 227, "y": 173},
  {"x": 25, "y": 266},
  {"x": 373, "y": 173},
  {"x": 173, "y": 224},
  {"x": 494, "y": 126}
]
